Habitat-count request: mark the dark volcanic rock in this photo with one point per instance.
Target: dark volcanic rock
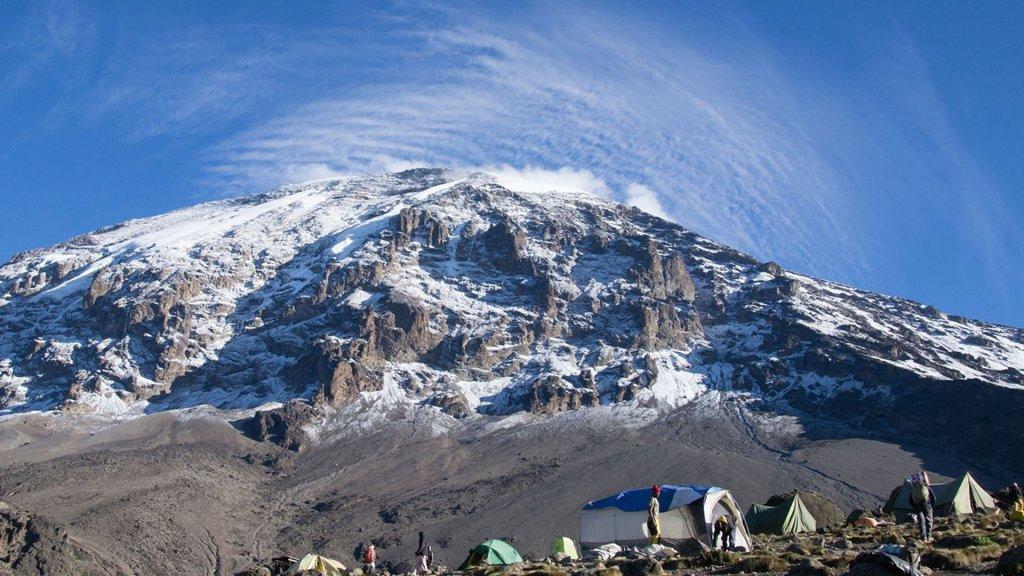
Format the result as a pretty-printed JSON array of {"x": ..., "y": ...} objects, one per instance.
[
  {"x": 551, "y": 394},
  {"x": 810, "y": 567},
  {"x": 1011, "y": 563},
  {"x": 35, "y": 546},
  {"x": 283, "y": 426},
  {"x": 454, "y": 405}
]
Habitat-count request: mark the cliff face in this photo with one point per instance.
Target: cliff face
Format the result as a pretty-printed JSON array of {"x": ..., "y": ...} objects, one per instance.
[{"x": 460, "y": 298}]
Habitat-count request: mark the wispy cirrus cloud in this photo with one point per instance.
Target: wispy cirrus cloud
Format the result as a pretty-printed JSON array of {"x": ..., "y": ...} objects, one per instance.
[
  {"x": 839, "y": 160},
  {"x": 721, "y": 146}
]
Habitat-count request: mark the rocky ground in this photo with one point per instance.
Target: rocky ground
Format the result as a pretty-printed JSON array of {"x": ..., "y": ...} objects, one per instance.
[
  {"x": 186, "y": 493},
  {"x": 357, "y": 360},
  {"x": 968, "y": 545}
]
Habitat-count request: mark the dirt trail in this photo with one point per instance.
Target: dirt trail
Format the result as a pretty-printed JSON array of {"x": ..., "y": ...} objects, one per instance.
[{"x": 787, "y": 456}]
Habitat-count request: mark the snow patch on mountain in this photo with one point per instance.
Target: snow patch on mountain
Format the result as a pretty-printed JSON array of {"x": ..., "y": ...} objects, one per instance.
[{"x": 452, "y": 300}]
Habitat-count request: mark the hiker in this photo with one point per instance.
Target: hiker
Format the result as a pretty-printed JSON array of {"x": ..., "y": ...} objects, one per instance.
[
  {"x": 922, "y": 499},
  {"x": 422, "y": 560},
  {"x": 723, "y": 527},
  {"x": 654, "y": 515},
  {"x": 370, "y": 560}
]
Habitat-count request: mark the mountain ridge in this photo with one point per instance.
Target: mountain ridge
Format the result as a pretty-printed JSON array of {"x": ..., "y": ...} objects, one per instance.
[{"x": 443, "y": 296}]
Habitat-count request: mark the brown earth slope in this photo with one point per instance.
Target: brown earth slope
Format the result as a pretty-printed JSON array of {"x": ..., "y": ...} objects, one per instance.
[{"x": 191, "y": 495}]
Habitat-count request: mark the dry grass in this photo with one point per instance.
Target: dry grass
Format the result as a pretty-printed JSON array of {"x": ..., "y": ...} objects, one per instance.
[
  {"x": 706, "y": 559},
  {"x": 759, "y": 563}
]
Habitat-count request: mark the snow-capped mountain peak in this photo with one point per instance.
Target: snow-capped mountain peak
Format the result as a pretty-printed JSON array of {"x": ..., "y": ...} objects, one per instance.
[{"x": 462, "y": 296}]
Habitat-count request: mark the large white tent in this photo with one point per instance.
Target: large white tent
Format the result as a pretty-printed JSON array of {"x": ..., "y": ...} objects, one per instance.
[{"x": 686, "y": 512}]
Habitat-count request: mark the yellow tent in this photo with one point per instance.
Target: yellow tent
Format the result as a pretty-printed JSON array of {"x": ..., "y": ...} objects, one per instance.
[
  {"x": 318, "y": 564},
  {"x": 1016, "y": 514},
  {"x": 564, "y": 545}
]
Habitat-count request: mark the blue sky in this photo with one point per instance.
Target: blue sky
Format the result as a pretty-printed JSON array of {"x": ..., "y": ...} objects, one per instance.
[{"x": 877, "y": 144}]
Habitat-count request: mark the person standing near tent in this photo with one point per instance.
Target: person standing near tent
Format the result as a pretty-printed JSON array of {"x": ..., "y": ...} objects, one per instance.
[
  {"x": 654, "y": 515},
  {"x": 422, "y": 562},
  {"x": 1016, "y": 495},
  {"x": 723, "y": 527},
  {"x": 922, "y": 499},
  {"x": 370, "y": 560}
]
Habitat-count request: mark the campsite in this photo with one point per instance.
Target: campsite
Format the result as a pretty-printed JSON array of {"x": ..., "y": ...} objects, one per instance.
[{"x": 797, "y": 534}]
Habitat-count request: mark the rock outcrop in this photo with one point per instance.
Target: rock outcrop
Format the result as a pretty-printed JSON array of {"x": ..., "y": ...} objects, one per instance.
[
  {"x": 34, "y": 546},
  {"x": 283, "y": 426},
  {"x": 397, "y": 287}
]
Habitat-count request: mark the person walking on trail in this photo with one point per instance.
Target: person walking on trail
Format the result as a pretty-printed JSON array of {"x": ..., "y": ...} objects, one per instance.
[
  {"x": 370, "y": 560},
  {"x": 422, "y": 557},
  {"x": 654, "y": 515},
  {"x": 922, "y": 499},
  {"x": 724, "y": 528}
]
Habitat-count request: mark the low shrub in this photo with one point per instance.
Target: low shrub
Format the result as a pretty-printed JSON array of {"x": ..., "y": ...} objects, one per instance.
[
  {"x": 964, "y": 541},
  {"x": 711, "y": 558}
]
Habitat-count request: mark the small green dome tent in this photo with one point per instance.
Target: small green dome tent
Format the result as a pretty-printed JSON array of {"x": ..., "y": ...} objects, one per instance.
[
  {"x": 565, "y": 545},
  {"x": 790, "y": 517},
  {"x": 492, "y": 552}
]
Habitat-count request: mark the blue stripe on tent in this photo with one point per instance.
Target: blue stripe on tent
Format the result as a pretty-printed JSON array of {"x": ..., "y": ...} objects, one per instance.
[{"x": 638, "y": 499}]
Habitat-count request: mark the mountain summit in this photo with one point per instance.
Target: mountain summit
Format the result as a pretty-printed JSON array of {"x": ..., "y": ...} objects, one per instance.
[{"x": 427, "y": 295}]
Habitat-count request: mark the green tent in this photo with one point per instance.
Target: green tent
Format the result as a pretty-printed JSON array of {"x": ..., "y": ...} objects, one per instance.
[
  {"x": 564, "y": 545},
  {"x": 789, "y": 517},
  {"x": 963, "y": 496},
  {"x": 493, "y": 552}
]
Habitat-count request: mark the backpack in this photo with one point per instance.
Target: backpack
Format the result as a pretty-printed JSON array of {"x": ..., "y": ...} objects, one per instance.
[
  {"x": 918, "y": 493},
  {"x": 368, "y": 556}
]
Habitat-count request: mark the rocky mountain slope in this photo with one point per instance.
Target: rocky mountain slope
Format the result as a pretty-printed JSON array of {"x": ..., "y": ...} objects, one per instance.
[
  {"x": 38, "y": 546},
  {"x": 335, "y": 307}
]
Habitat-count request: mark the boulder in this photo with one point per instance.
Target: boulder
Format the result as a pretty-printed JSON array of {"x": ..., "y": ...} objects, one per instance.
[
  {"x": 283, "y": 426},
  {"x": 810, "y": 567},
  {"x": 642, "y": 567},
  {"x": 1011, "y": 563},
  {"x": 691, "y": 547},
  {"x": 857, "y": 514}
]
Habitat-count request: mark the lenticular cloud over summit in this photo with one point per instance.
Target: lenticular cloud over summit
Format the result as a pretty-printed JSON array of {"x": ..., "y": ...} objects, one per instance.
[{"x": 719, "y": 143}]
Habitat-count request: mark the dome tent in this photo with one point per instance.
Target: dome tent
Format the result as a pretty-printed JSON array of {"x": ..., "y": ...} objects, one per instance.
[
  {"x": 962, "y": 496},
  {"x": 686, "y": 512},
  {"x": 788, "y": 517},
  {"x": 316, "y": 564},
  {"x": 492, "y": 552},
  {"x": 565, "y": 545}
]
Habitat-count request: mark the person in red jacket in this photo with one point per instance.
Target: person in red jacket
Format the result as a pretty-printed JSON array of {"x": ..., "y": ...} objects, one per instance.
[{"x": 370, "y": 560}]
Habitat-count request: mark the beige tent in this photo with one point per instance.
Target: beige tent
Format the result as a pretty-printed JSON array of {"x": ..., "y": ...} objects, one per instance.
[
  {"x": 963, "y": 496},
  {"x": 318, "y": 565}
]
